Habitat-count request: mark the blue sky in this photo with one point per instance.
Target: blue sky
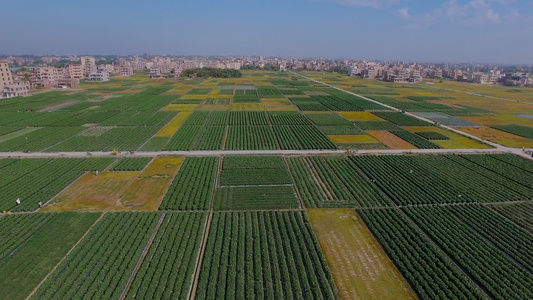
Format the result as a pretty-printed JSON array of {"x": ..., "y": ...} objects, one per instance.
[{"x": 493, "y": 31}]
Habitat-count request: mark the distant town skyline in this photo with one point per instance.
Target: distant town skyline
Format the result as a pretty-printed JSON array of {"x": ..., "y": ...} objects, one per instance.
[{"x": 477, "y": 31}]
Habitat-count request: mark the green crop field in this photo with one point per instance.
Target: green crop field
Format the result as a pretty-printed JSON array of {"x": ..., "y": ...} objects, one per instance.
[
  {"x": 256, "y": 255},
  {"x": 213, "y": 188}
]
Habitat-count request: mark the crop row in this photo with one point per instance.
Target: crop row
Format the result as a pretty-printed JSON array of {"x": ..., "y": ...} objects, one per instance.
[
  {"x": 167, "y": 270},
  {"x": 432, "y": 135},
  {"x": 100, "y": 266},
  {"x": 263, "y": 255},
  {"x": 520, "y": 213},
  {"x": 401, "y": 119},
  {"x": 509, "y": 238},
  {"x": 256, "y": 197},
  {"x": 431, "y": 274},
  {"x": 16, "y": 229},
  {"x": 334, "y": 182},
  {"x": 499, "y": 275},
  {"x": 120, "y": 138},
  {"x": 193, "y": 186},
  {"x": 35, "y": 243},
  {"x": 131, "y": 164},
  {"x": 253, "y": 162}
]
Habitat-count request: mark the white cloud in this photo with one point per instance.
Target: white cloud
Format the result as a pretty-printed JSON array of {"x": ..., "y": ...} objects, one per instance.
[
  {"x": 492, "y": 16},
  {"x": 366, "y": 3},
  {"x": 475, "y": 12},
  {"x": 404, "y": 12}
]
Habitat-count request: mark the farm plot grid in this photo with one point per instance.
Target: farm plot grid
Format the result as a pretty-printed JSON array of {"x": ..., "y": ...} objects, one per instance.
[
  {"x": 417, "y": 226},
  {"x": 116, "y": 117},
  {"x": 250, "y": 235}
]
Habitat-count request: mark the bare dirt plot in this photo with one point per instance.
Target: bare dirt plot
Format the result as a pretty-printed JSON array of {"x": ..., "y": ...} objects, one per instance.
[
  {"x": 360, "y": 267},
  {"x": 390, "y": 140},
  {"x": 359, "y": 116},
  {"x": 119, "y": 191},
  {"x": 498, "y": 136},
  {"x": 148, "y": 189},
  {"x": 94, "y": 193}
]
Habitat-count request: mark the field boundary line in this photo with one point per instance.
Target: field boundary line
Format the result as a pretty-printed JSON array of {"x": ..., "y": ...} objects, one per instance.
[
  {"x": 64, "y": 257},
  {"x": 141, "y": 258},
  {"x": 294, "y": 183},
  {"x": 199, "y": 259},
  {"x": 226, "y": 136}
]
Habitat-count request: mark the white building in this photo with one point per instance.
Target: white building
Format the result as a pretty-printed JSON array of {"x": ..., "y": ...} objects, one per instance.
[{"x": 99, "y": 76}]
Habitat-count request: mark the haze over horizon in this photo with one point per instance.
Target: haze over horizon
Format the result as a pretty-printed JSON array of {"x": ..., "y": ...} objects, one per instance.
[{"x": 483, "y": 31}]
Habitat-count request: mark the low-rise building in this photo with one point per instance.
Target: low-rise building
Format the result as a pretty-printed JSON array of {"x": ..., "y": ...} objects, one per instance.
[
  {"x": 126, "y": 71},
  {"x": 17, "y": 89},
  {"x": 99, "y": 76}
]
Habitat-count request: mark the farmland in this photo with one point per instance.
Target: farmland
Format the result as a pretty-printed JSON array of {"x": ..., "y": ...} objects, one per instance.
[
  {"x": 360, "y": 267},
  {"x": 190, "y": 115},
  {"x": 264, "y": 255},
  {"x": 260, "y": 202}
]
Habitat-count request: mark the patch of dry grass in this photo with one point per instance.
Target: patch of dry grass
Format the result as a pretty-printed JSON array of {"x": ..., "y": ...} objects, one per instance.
[{"x": 360, "y": 267}]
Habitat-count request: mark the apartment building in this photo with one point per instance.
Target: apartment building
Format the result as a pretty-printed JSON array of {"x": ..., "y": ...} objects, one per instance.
[
  {"x": 89, "y": 65},
  {"x": 75, "y": 71},
  {"x": 126, "y": 71},
  {"x": 5, "y": 75}
]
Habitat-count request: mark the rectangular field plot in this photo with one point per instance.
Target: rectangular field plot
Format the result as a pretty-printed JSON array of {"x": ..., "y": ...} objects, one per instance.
[
  {"x": 263, "y": 255},
  {"x": 428, "y": 270},
  {"x": 131, "y": 164},
  {"x": 328, "y": 119},
  {"x": 253, "y": 162},
  {"x": 302, "y": 138},
  {"x": 429, "y": 179},
  {"x": 251, "y": 138},
  {"x": 33, "y": 244},
  {"x": 94, "y": 193},
  {"x": 472, "y": 251},
  {"x": 147, "y": 190},
  {"x": 126, "y": 190},
  {"x": 288, "y": 118},
  {"x": 256, "y": 198},
  {"x": 192, "y": 188},
  {"x": 100, "y": 266},
  {"x": 334, "y": 182},
  {"x": 360, "y": 267},
  {"x": 390, "y": 139},
  {"x": 167, "y": 269},
  {"x": 401, "y": 119},
  {"x": 236, "y": 177}
]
